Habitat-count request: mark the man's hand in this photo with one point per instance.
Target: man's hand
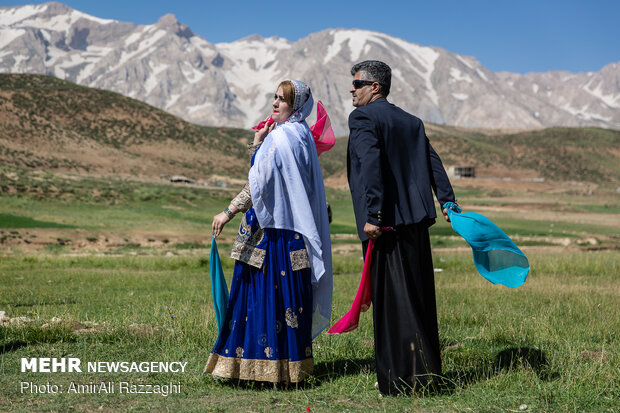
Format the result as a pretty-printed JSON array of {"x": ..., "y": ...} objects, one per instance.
[
  {"x": 372, "y": 231},
  {"x": 445, "y": 214}
]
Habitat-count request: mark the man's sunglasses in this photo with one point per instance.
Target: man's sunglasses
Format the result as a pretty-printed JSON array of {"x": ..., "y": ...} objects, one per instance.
[{"x": 360, "y": 83}]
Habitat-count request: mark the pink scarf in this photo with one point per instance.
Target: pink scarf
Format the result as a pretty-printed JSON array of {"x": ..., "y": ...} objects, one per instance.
[
  {"x": 322, "y": 131},
  {"x": 362, "y": 299}
]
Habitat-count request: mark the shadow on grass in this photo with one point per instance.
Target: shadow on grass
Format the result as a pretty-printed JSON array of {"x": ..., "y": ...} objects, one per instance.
[
  {"x": 260, "y": 386},
  {"x": 15, "y": 338},
  {"x": 511, "y": 357},
  {"x": 12, "y": 346},
  {"x": 506, "y": 360},
  {"x": 328, "y": 370}
]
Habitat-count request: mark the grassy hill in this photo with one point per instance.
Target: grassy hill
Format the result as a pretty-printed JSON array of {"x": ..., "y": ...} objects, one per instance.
[
  {"x": 556, "y": 154},
  {"x": 53, "y": 125}
]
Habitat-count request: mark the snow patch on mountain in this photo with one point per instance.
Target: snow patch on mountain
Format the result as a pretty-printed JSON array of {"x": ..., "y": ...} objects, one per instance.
[
  {"x": 609, "y": 99},
  {"x": 358, "y": 41},
  {"x": 143, "y": 48},
  {"x": 426, "y": 58},
  {"x": 12, "y": 16},
  {"x": 7, "y": 36},
  {"x": 458, "y": 76}
]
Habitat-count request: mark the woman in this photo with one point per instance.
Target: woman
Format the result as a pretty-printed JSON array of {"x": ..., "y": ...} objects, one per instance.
[{"x": 280, "y": 297}]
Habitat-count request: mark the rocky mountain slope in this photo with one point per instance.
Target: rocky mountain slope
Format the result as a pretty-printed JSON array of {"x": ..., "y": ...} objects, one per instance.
[{"x": 231, "y": 84}]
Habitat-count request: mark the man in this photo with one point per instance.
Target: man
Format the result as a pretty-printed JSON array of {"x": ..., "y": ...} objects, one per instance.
[{"x": 392, "y": 171}]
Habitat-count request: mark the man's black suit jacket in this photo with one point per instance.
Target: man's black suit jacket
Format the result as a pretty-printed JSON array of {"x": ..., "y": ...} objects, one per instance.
[{"x": 392, "y": 168}]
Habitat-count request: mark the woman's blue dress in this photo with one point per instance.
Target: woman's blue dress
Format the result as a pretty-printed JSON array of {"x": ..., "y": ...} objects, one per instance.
[{"x": 266, "y": 334}]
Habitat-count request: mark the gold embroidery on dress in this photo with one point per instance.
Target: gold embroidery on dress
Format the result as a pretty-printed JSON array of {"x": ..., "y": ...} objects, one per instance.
[
  {"x": 264, "y": 370},
  {"x": 245, "y": 231},
  {"x": 269, "y": 352},
  {"x": 243, "y": 201},
  {"x": 291, "y": 318},
  {"x": 299, "y": 259},
  {"x": 248, "y": 254},
  {"x": 244, "y": 248},
  {"x": 240, "y": 352},
  {"x": 300, "y": 309}
]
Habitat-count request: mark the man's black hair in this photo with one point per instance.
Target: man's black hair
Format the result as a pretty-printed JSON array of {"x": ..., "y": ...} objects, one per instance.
[{"x": 376, "y": 71}]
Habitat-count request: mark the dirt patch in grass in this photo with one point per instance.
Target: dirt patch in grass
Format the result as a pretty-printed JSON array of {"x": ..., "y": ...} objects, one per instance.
[{"x": 598, "y": 356}]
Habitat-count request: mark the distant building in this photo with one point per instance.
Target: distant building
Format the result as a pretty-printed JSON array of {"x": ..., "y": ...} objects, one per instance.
[
  {"x": 462, "y": 171},
  {"x": 180, "y": 179}
]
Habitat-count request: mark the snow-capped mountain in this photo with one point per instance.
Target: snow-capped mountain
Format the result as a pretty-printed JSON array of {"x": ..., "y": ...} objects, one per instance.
[{"x": 231, "y": 84}]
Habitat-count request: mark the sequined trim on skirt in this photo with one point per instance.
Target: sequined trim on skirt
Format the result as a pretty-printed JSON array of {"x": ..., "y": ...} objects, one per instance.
[{"x": 262, "y": 370}]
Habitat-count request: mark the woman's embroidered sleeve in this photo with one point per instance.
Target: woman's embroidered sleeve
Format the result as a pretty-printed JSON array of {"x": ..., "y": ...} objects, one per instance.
[{"x": 243, "y": 201}]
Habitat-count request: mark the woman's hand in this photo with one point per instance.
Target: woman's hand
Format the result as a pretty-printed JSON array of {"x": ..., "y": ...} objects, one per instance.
[
  {"x": 219, "y": 221},
  {"x": 262, "y": 133}
]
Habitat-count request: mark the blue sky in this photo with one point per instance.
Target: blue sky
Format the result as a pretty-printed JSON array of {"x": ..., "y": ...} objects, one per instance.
[{"x": 516, "y": 36}]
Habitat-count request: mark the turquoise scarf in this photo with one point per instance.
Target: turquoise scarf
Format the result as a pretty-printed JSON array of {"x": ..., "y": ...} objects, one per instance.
[
  {"x": 218, "y": 286},
  {"x": 496, "y": 257}
]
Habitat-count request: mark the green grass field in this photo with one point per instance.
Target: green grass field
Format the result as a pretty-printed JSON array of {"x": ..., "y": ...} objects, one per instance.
[
  {"x": 552, "y": 344},
  {"x": 126, "y": 278}
]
